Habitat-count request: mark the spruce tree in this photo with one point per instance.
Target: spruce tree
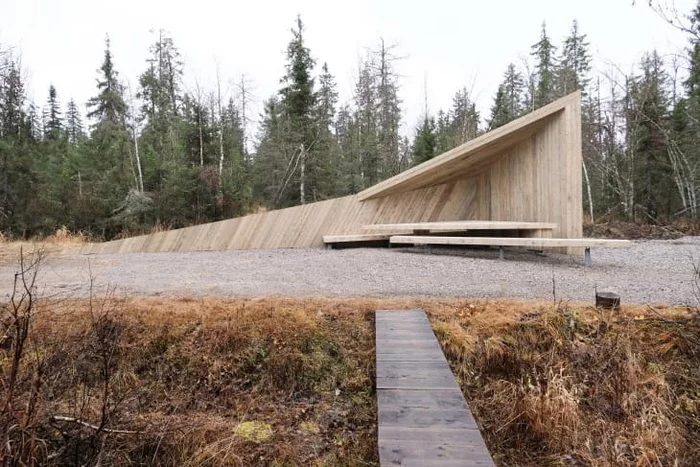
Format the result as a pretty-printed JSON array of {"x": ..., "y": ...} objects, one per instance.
[
  {"x": 17, "y": 180},
  {"x": 546, "y": 69},
  {"x": 444, "y": 136},
  {"x": 52, "y": 116},
  {"x": 159, "y": 92},
  {"x": 107, "y": 169},
  {"x": 425, "y": 141},
  {"x": 508, "y": 103},
  {"x": 499, "y": 110},
  {"x": 388, "y": 108},
  {"x": 298, "y": 101},
  {"x": 464, "y": 118},
  {"x": 236, "y": 187},
  {"x": 326, "y": 150},
  {"x": 160, "y": 83},
  {"x": 575, "y": 63},
  {"x": 12, "y": 96},
  {"x": 367, "y": 155},
  {"x": 108, "y": 107},
  {"x": 348, "y": 167},
  {"x": 74, "y": 124},
  {"x": 649, "y": 119},
  {"x": 270, "y": 161}
]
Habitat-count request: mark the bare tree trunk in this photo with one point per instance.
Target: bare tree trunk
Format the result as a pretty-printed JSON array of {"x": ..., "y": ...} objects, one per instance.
[
  {"x": 244, "y": 92},
  {"x": 588, "y": 189},
  {"x": 201, "y": 141},
  {"x": 221, "y": 128},
  {"x": 134, "y": 135},
  {"x": 138, "y": 158},
  {"x": 199, "y": 125},
  {"x": 302, "y": 156}
]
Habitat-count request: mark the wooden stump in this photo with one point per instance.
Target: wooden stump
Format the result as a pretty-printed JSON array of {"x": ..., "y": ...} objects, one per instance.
[{"x": 607, "y": 300}]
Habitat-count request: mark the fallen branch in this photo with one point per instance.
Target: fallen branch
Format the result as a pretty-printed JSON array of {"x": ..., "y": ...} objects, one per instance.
[{"x": 77, "y": 421}]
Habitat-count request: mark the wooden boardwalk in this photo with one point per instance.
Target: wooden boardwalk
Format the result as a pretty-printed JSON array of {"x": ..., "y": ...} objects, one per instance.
[{"x": 423, "y": 417}]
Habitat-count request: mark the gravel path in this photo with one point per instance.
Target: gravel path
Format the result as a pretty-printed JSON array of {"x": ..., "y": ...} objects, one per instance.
[{"x": 655, "y": 271}]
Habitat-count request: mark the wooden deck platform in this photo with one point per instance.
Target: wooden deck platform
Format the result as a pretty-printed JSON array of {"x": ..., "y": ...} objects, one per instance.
[
  {"x": 459, "y": 226},
  {"x": 423, "y": 417}
]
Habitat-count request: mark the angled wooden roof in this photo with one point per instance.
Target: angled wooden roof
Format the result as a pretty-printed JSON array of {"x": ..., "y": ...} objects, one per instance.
[{"x": 471, "y": 156}]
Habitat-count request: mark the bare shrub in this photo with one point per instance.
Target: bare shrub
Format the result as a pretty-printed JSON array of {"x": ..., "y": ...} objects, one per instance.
[{"x": 23, "y": 367}]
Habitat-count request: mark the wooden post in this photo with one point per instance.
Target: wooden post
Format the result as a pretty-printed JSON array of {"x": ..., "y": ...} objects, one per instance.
[{"x": 607, "y": 300}]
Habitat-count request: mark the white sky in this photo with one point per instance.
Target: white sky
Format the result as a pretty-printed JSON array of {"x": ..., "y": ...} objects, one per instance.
[{"x": 448, "y": 44}]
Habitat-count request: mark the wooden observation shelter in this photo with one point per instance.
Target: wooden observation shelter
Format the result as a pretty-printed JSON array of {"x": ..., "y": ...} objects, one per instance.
[{"x": 518, "y": 185}]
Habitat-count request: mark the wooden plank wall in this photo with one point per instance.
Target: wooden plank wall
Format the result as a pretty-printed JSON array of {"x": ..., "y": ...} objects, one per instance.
[
  {"x": 305, "y": 226},
  {"x": 539, "y": 179},
  {"x": 536, "y": 179}
]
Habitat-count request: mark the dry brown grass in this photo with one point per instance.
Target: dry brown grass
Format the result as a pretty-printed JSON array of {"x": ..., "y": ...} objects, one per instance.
[
  {"x": 570, "y": 385},
  {"x": 208, "y": 382},
  {"x": 253, "y": 381},
  {"x": 59, "y": 241}
]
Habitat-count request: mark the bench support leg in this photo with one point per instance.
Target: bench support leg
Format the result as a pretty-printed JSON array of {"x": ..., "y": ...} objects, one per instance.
[
  {"x": 500, "y": 252},
  {"x": 587, "y": 258}
]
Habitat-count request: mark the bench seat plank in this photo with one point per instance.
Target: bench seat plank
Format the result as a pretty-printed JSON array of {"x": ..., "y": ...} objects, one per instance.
[{"x": 505, "y": 241}]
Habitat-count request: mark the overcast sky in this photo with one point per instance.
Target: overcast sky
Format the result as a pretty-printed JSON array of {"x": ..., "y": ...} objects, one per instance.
[{"x": 448, "y": 44}]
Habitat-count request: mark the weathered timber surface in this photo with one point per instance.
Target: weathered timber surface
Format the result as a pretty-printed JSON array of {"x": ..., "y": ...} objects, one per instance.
[{"x": 423, "y": 417}]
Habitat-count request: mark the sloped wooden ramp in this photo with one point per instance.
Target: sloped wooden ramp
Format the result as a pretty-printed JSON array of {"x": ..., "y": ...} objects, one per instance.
[{"x": 423, "y": 417}]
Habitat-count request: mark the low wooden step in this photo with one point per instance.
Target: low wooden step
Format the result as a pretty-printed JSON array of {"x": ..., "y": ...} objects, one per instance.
[{"x": 355, "y": 238}]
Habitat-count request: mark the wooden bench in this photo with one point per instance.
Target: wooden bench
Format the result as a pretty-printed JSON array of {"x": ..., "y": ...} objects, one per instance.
[{"x": 586, "y": 243}]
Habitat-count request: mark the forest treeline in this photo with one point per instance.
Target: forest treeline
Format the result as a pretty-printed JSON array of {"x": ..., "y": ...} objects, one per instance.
[{"x": 164, "y": 155}]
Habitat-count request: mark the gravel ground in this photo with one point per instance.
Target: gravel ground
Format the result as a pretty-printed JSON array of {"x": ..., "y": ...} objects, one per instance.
[{"x": 654, "y": 271}]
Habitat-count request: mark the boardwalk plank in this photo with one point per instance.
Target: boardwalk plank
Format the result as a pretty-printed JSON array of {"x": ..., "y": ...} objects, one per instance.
[
  {"x": 423, "y": 419},
  {"x": 433, "y": 455},
  {"x": 422, "y": 435},
  {"x": 436, "y": 399},
  {"x": 403, "y": 368}
]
